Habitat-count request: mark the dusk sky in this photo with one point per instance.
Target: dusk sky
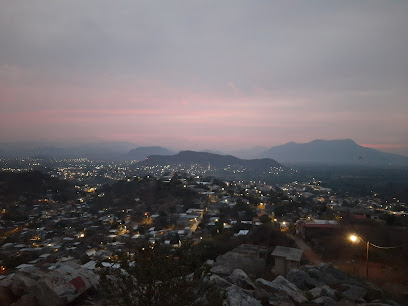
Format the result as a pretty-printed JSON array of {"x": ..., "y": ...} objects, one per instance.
[{"x": 205, "y": 74}]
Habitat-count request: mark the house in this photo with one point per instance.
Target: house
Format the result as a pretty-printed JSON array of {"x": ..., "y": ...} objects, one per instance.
[
  {"x": 317, "y": 228},
  {"x": 286, "y": 259}
]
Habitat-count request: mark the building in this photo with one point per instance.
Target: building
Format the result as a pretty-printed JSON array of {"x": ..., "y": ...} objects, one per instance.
[{"x": 286, "y": 259}]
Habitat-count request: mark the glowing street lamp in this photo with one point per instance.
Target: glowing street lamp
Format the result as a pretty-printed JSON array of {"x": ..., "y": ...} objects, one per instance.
[{"x": 355, "y": 239}]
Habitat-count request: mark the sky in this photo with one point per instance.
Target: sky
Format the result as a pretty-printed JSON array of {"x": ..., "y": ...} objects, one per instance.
[{"x": 205, "y": 74}]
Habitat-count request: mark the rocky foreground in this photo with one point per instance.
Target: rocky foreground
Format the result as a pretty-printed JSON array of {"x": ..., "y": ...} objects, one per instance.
[
  {"x": 322, "y": 285},
  {"x": 35, "y": 286},
  {"x": 309, "y": 285}
]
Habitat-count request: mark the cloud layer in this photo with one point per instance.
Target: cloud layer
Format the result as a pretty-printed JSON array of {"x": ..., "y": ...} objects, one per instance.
[{"x": 204, "y": 74}]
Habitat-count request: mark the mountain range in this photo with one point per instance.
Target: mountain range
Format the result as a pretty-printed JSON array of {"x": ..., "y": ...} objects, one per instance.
[
  {"x": 333, "y": 152},
  {"x": 323, "y": 152}
]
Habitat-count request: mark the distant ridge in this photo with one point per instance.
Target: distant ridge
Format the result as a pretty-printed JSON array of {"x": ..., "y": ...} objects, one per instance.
[
  {"x": 333, "y": 152},
  {"x": 92, "y": 150},
  {"x": 142, "y": 153},
  {"x": 188, "y": 158}
]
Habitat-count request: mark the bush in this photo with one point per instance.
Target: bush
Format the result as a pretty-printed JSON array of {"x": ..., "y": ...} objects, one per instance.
[{"x": 156, "y": 278}]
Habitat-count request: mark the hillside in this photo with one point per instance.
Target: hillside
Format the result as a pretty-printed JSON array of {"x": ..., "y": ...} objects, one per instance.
[
  {"x": 333, "y": 152},
  {"x": 187, "y": 158},
  {"x": 141, "y": 153}
]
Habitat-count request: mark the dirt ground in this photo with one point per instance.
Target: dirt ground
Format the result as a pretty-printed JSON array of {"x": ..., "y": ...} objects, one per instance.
[{"x": 391, "y": 277}]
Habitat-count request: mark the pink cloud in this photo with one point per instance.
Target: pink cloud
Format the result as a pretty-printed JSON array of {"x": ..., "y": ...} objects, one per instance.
[
  {"x": 385, "y": 146},
  {"x": 151, "y": 112}
]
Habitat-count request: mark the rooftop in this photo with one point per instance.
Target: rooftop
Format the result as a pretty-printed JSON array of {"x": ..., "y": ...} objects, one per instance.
[{"x": 289, "y": 253}]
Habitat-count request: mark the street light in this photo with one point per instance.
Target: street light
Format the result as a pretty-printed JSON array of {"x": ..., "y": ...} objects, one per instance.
[{"x": 355, "y": 239}]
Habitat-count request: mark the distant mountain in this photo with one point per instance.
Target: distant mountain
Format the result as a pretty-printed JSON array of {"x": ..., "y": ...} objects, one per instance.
[
  {"x": 91, "y": 150},
  {"x": 250, "y": 153},
  {"x": 205, "y": 159},
  {"x": 141, "y": 153},
  {"x": 333, "y": 152}
]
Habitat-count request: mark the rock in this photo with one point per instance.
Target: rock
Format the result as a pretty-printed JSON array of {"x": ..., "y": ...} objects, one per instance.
[
  {"x": 21, "y": 282},
  {"x": 57, "y": 287},
  {"x": 361, "y": 301},
  {"x": 221, "y": 270},
  {"x": 239, "y": 278},
  {"x": 26, "y": 300},
  {"x": 302, "y": 279},
  {"x": 237, "y": 296},
  {"x": 6, "y": 296},
  {"x": 269, "y": 298},
  {"x": 346, "y": 302},
  {"x": 373, "y": 292},
  {"x": 284, "y": 282},
  {"x": 244, "y": 257},
  {"x": 323, "y": 275},
  {"x": 325, "y": 300},
  {"x": 377, "y": 304},
  {"x": 262, "y": 294},
  {"x": 280, "y": 299},
  {"x": 221, "y": 282},
  {"x": 64, "y": 284},
  {"x": 390, "y": 302},
  {"x": 282, "y": 285},
  {"x": 354, "y": 293},
  {"x": 323, "y": 291},
  {"x": 290, "y": 303}
]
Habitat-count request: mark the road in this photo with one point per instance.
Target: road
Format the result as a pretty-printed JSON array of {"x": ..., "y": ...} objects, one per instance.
[
  {"x": 308, "y": 253},
  {"x": 194, "y": 226}
]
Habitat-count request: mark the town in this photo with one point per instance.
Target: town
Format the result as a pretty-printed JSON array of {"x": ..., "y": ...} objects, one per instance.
[{"x": 80, "y": 220}]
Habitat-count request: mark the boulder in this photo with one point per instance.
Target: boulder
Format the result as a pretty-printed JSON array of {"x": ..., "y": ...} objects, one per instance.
[
  {"x": 373, "y": 292},
  {"x": 6, "y": 296},
  {"x": 262, "y": 295},
  {"x": 57, "y": 287},
  {"x": 377, "y": 304},
  {"x": 223, "y": 270},
  {"x": 221, "y": 282},
  {"x": 302, "y": 279},
  {"x": 325, "y": 300},
  {"x": 237, "y": 296},
  {"x": 390, "y": 302},
  {"x": 354, "y": 293},
  {"x": 239, "y": 278},
  {"x": 269, "y": 298},
  {"x": 346, "y": 302},
  {"x": 323, "y": 291},
  {"x": 64, "y": 284},
  {"x": 322, "y": 276},
  {"x": 280, "y": 299},
  {"x": 282, "y": 285},
  {"x": 26, "y": 300},
  {"x": 21, "y": 282}
]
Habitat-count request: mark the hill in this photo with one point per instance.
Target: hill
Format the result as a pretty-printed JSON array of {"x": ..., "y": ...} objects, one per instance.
[
  {"x": 211, "y": 160},
  {"x": 333, "y": 152},
  {"x": 141, "y": 153}
]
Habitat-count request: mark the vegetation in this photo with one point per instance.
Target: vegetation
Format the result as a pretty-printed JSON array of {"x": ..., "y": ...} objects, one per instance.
[{"x": 153, "y": 277}]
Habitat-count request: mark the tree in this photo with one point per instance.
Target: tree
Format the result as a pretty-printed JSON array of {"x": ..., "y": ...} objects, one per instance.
[
  {"x": 265, "y": 219},
  {"x": 152, "y": 277}
]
